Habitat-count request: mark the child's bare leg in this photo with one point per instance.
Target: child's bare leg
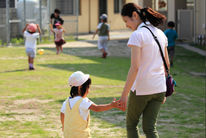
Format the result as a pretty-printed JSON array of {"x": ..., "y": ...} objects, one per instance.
[
  {"x": 57, "y": 50},
  {"x": 61, "y": 48},
  {"x": 31, "y": 62}
]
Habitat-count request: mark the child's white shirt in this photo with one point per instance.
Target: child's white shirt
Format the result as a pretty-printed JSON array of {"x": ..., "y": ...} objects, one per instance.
[
  {"x": 31, "y": 39},
  {"x": 83, "y": 107},
  {"x": 58, "y": 34}
]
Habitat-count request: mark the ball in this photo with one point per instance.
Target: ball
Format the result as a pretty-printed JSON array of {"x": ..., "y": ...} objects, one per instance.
[{"x": 41, "y": 51}]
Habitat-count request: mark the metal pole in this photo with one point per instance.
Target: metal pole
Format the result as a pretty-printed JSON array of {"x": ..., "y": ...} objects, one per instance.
[
  {"x": 48, "y": 10},
  {"x": 77, "y": 16},
  {"x": 40, "y": 18},
  {"x": 24, "y": 12},
  {"x": 7, "y": 22},
  {"x": 194, "y": 27}
]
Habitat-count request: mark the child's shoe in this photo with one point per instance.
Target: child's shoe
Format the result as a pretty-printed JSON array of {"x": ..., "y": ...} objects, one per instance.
[
  {"x": 104, "y": 55},
  {"x": 31, "y": 68}
]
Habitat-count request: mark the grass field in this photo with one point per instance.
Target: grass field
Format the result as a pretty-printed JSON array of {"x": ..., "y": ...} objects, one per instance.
[{"x": 30, "y": 101}]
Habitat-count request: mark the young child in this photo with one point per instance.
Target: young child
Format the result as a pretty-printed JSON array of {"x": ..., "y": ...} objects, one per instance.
[
  {"x": 171, "y": 36},
  {"x": 59, "y": 40},
  {"x": 103, "y": 32},
  {"x": 30, "y": 42},
  {"x": 75, "y": 111}
]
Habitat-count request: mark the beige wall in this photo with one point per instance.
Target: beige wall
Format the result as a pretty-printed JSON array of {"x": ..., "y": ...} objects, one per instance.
[
  {"x": 94, "y": 13},
  {"x": 89, "y": 17}
]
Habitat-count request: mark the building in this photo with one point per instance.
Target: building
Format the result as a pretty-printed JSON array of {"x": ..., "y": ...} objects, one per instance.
[{"x": 83, "y": 15}]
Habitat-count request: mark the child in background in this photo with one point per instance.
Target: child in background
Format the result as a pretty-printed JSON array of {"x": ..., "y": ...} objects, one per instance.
[
  {"x": 103, "y": 32},
  {"x": 171, "y": 36},
  {"x": 59, "y": 40},
  {"x": 30, "y": 42},
  {"x": 75, "y": 116}
]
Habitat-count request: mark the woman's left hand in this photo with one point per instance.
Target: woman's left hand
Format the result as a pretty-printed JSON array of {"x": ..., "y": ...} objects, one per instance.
[{"x": 123, "y": 103}]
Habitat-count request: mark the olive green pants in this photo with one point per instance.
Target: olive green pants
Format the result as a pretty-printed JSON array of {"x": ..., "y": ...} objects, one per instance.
[{"x": 148, "y": 106}]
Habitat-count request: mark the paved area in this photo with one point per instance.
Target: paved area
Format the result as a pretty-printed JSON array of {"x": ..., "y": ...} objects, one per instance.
[
  {"x": 197, "y": 50},
  {"x": 117, "y": 39}
]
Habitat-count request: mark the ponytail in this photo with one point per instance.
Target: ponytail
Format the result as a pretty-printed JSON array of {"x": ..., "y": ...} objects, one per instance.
[
  {"x": 74, "y": 90},
  {"x": 146, "y": 14}
]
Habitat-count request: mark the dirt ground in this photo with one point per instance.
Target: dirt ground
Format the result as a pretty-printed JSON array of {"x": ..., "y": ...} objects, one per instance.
[{"x": 117, "y": 46}]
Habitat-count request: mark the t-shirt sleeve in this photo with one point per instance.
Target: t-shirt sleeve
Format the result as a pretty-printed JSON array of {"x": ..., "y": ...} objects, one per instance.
[
  {"x": 36, "y": 35},
  {"x": 108, "y": 27},
  {"x": 135, "y": 39},
  {"x": 25, "y": 33},
  {"x": 63, "y": 109},
  {"x": 52, "y": 16},
  {"x": 86, "y": 103},
  {"x": 61, "y": 21},
  {"x": 99, "y": 25},
  {"x": 55, "y": 30}
]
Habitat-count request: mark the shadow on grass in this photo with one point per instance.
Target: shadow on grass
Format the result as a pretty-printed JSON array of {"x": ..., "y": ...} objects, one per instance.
[
  {"x": 17, "y": 70},
  {"x": 114, "y": 68},
  {"x": 115, "y": 117}
]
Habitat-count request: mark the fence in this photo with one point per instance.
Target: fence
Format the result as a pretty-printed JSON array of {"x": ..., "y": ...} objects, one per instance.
[{"x": 15, "y": 14}]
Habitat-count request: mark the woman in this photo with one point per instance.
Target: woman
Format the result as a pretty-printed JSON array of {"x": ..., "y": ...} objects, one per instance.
[{"x": 146, "y": 77}]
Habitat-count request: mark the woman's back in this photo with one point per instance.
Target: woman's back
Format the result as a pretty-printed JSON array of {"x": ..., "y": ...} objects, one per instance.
[{"x": 151, "y": 76}]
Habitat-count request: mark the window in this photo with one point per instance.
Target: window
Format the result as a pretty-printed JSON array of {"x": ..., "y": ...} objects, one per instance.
[
  {"x": 118, "y": 5},
  {"x": 3, "y": 3},
  {"x": 68, "y": 6}
]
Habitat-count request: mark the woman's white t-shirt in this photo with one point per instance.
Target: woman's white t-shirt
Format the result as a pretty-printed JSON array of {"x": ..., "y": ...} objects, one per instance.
[
  {"x": 151, "y": 77},
  {"x": 83, "y": 107}
]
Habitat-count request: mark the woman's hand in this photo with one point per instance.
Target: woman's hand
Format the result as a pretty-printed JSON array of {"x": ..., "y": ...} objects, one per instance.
[
  {"x": 164, "y": 100},
  {"x": 123, "y": 103}
]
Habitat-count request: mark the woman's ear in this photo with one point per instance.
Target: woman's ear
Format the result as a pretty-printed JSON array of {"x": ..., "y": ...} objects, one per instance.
[{"x": 135, "y": 15}]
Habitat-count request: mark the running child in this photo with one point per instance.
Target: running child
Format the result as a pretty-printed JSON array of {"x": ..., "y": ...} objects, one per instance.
[
  {"x": 31, "y": 36},
  {"x": 59, "y": 40},
  {"x": 103, "y": 32},
  {"x": 75, "y": 111}
]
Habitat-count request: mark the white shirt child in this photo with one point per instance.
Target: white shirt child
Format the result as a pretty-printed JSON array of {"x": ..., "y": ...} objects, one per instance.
[
  {"x": 31, "y": 39},
  {"x": 83, "y": 107}
]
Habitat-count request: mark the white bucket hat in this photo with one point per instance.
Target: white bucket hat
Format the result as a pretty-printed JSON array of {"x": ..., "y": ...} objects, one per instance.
[{"x": 78, "y": 78}]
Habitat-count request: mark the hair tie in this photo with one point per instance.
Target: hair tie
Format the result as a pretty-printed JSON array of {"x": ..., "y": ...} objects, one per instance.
[{"x": 143, "y": 12}]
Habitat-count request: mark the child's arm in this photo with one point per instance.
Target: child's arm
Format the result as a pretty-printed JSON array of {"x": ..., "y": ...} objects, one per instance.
[
  {"x": 51, "y": 28},
  {"x": 38, "y": 28},
  {"x": 62, "y": 120},
  {"x": 95, "y": 33},
  {"x": 25, "y": 28},
  {"x": 108, "y": 35},
  {"x": 63, "y": 29},
  {"x": 104, "y": 107}
]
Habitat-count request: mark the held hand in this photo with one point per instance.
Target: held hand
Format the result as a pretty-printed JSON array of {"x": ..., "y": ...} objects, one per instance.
[
  {"x": 115, "y": 103},
  {"x": 123, "y": 103}
]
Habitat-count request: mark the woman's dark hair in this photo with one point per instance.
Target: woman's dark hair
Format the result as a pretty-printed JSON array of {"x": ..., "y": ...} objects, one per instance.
[
  {"x": 171, "y": 24},
  {"x": 146, "y": 14},
  {"x": 57, "y": 11},
  {"x": 83, "y": 89}
]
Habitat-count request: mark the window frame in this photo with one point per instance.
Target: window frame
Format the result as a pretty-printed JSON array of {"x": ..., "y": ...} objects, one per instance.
[{"x": 117, "y": 8}]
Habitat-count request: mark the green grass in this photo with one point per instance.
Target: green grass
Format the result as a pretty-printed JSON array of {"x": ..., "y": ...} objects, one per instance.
[{"x": 30, "y": 101}]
